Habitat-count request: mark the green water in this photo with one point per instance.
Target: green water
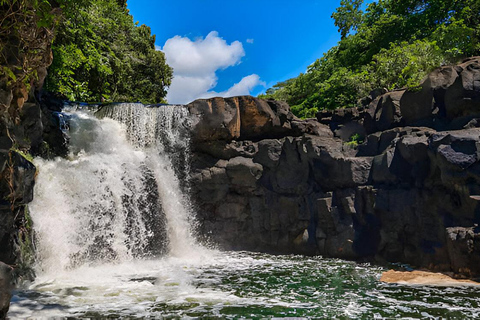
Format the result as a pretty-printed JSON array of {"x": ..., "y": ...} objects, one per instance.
[{"x": 239, "y": 285}]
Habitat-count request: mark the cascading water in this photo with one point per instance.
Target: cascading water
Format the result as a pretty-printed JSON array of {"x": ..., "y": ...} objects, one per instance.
[
  {"x": 117, "y": 197},
  {"x": 161, "y": 131},
  {"x": 113, "y": 226}
]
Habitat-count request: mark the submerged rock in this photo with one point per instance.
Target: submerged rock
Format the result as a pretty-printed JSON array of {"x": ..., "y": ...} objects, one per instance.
[{"x": 424, "y": 278}]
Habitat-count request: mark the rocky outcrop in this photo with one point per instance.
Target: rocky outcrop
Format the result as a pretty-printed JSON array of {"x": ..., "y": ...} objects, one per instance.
[
  {"x": 265, "y": 180},
  {"x": 448, "y": 99},
  {"x": 6, "y": 282},
  {"x": 25, "y": 54},
  {"x": 246, "y": 118}
]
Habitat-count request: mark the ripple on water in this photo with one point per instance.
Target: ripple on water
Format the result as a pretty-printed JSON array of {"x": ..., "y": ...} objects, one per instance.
[{"x": 236, "y": 285}]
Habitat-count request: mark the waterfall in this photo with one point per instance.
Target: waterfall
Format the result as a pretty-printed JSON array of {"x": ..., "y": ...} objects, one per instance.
[
  {"x": 120, "y": 194},
  {"x": 163, "y": 130}
]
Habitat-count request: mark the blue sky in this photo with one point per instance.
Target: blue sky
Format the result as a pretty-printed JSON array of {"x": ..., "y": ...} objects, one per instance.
[{"x": 232, "y": 47}]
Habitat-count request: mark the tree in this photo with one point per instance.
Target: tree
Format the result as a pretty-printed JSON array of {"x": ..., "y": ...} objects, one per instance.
[
  {"x": 101, "y": 54},
  {"x": 395, "y": 45},
  {"x": 348, "y": 16}
]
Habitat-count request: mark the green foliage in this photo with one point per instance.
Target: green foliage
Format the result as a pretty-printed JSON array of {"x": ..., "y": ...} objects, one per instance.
[
  {"x": 348, "y": 16},
  {"x": 100, "y": 54},
  {"x": 404, "y": 64},
  {"x": 355, "y": 140},
  {"x": 25, "y": 32},
  {"x": 395, "y": 45},
  {"x": 25, "y": 154}
]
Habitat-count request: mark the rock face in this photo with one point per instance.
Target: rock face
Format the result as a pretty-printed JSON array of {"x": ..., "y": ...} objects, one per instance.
[
  {"x": 25, "y": 49},
  {"x": 264, "y": 180},
  {"x": 5, "y": 288},
  {"x": 246, "y": 118}
]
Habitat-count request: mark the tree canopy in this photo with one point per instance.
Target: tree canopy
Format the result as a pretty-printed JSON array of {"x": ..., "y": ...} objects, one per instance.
[
  {"x": 100, "y": 54},
  {"x": 392, "y": 44}
]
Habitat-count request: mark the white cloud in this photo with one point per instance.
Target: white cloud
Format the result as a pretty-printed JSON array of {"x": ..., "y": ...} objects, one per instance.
[
  {"x": 244, "y": 87},
  {"x": 250, "y": 41},
  {"x": 195, "y": 63}
]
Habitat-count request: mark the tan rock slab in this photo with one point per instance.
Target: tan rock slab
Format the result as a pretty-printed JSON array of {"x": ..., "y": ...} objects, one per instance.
[{"x": 424, "y": 278}]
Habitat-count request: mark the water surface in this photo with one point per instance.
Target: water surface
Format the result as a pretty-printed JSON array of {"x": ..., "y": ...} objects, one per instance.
[{"x": 238, "y": 285}]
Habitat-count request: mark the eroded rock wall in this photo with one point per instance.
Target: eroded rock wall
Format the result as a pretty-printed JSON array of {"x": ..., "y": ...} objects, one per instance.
[
  {"x": 265, "y": 180},
  {"x": 25, "y": 54}
]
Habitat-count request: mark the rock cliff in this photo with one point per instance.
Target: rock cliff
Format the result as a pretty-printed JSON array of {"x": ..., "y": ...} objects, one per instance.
[
  {"x": 25, "y": 54},
  {"x": 264, "y": 180}
]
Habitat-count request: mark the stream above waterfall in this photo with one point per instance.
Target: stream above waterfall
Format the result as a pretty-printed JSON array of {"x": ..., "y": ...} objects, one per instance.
[{"x": 114, "y": 231}]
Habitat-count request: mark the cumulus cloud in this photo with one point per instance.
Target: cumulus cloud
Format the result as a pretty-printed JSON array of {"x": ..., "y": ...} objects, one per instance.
[
  {"x": 195, "y": 63},
  {"x": 250, "y": 41},
  {"x": 244, "y": 87}
]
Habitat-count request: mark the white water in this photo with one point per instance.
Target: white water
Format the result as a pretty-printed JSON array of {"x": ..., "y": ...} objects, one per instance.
[
  {"x": 116, "y": 197},
  {"x": 161, "y": 132}
]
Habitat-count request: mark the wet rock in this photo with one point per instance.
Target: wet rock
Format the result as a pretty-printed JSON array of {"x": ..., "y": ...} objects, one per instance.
[
  {"x": 464, "y": 250},
  {"x": 21, "y": 133},
  {"x": 6, "y": 285}
]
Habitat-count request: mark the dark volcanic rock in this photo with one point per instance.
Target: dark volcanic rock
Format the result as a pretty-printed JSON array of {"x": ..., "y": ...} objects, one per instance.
[
  {"x": 6, "y": 284},
  {"x": 448, "y": 99},
  {"x": 462, "y": 97},
  {"x": 26, "y": 53},
  {"x": 387, "y": 114},
  {"x": 407, "y": 194},
  {"x": 464, "y": 250}
]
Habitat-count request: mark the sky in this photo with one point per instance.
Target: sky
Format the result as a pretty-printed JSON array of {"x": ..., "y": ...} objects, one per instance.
[{"x": 236, "y": 47}]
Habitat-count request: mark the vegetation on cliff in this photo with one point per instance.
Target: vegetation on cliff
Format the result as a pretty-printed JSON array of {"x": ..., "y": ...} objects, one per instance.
[
  {"x": 392, "y": 44},
  {"x": 100, "y": 54},
  {"x": 25, "y": 35}
]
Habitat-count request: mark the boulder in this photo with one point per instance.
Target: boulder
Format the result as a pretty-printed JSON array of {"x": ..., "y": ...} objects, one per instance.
[
  {"x": 269, "y": 151},
  {"x": 247, "y": 118},
  {"x": 6, "y": 285},
  {"x": 462, "y": 97},
  {"x": 439, "y": 80},
  {"x": 259, "y": 120},
  {"x": 216, "y": 119},
  {"x": 464, "y": 250},
  {"x": 416, "y": 105},
  {"x": 388, "y": 113},
  {"x": 424, "y": 278},
  {"x": 225, "y": 150}
]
